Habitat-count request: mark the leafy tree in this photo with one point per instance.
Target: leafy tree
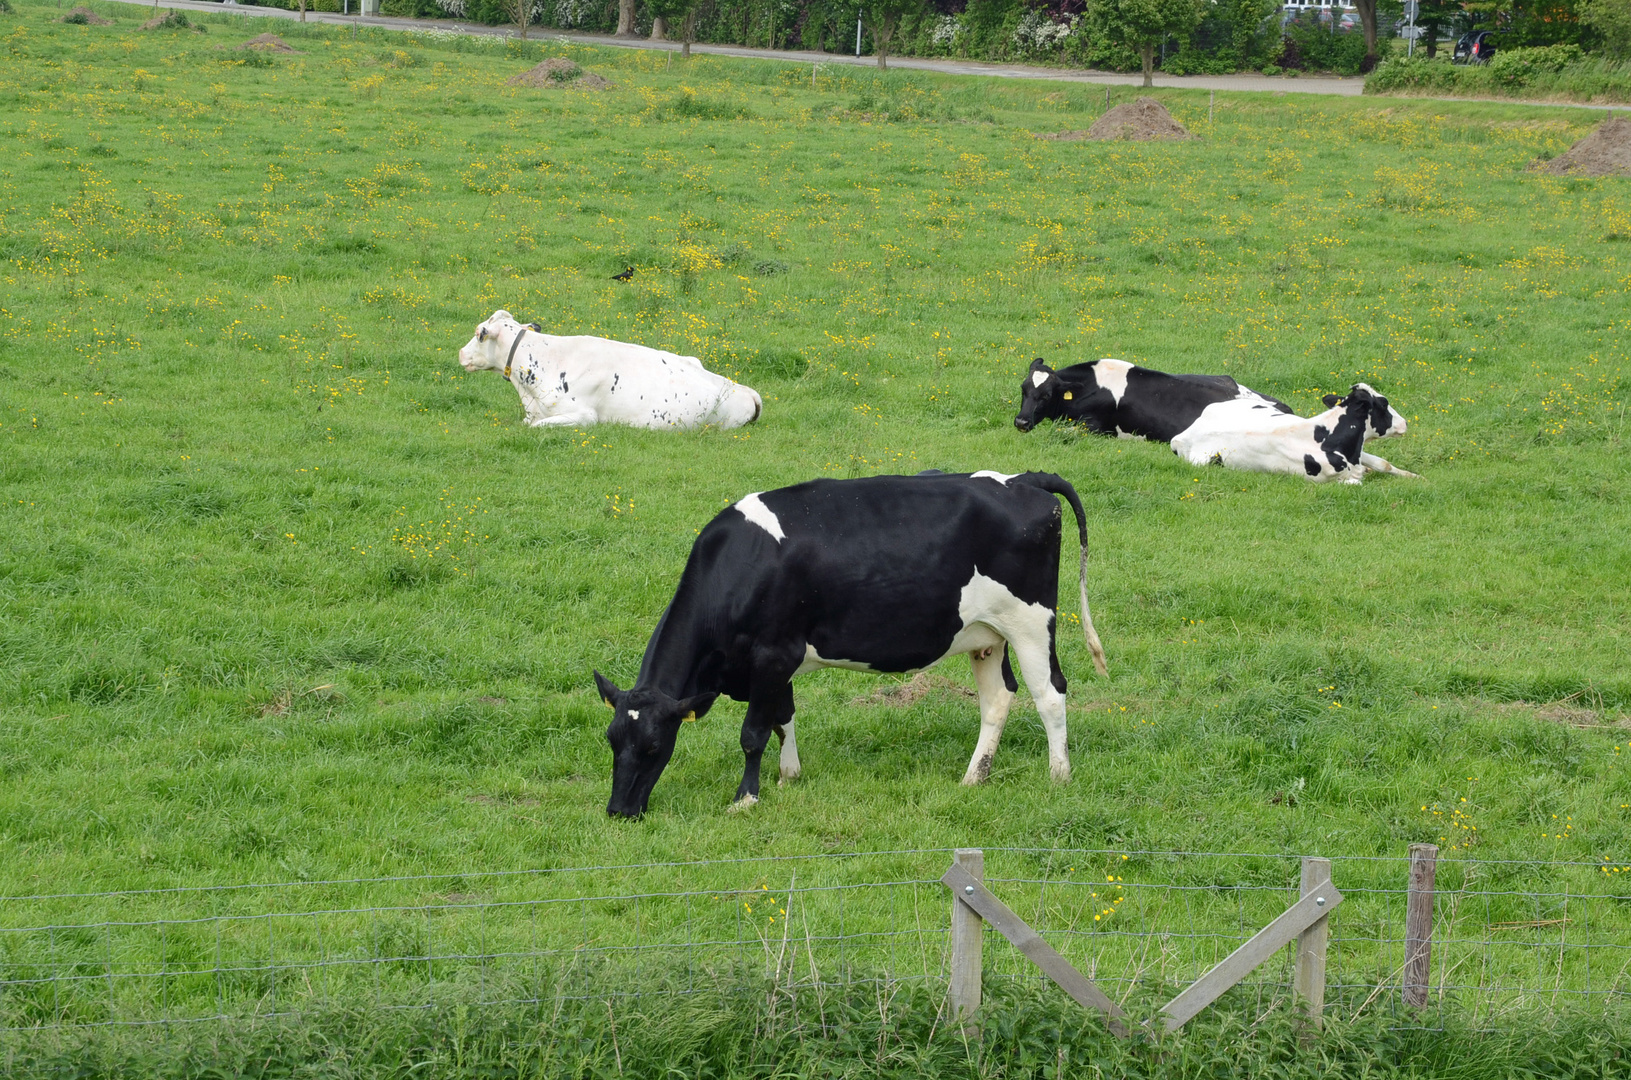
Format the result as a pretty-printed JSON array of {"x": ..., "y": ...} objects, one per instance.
[
  {"x": 1434, "y": 17},
  {"x": 670, "y": 13},
  {"x": 883, "y": 16},
  {"x": 1611, "y": 19},
  {"x": 1142, "y": 25}
]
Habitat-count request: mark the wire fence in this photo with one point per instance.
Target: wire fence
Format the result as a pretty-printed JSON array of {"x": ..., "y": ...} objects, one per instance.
[{"x": 1510, "y": 937}]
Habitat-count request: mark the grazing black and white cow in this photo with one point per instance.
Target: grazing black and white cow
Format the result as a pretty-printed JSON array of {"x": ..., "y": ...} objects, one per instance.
[
  {"x": 886, "y": 573},
  {"x": 578, "y": 381},
  {"x": 1113, "y": 397},
  {"x": 1251, "y": 436}
]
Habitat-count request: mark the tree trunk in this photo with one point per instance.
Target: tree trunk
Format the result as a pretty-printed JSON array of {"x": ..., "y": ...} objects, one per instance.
[
  {"x": 881, "y": 33},
  {"x": 659, "y": 29},
  {"x": 1148, "y": 53},
  {"x": 1429, "y": 34},
  {"x": 688, "y": 33},
  {"x": 302, "y": 10},
  {"x": 1367, "y": 19},
  {"x": 523, "y": 8},
  {"x": 625, "y": 18}
]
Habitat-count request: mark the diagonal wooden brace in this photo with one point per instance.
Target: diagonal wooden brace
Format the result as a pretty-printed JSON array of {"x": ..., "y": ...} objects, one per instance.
[
  {"x": 1039, "y": 952},
  {"x": 1244, "y": 960}
]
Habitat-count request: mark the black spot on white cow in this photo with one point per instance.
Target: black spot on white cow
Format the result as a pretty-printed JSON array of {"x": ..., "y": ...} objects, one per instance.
[
  {"x": 1113, "y": 397},
  {"x": 1330, "y": 446},
  {"x": 886, "y": 573}
]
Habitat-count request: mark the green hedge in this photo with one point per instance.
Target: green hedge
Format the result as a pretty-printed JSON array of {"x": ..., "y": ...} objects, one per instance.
[{"x": 1552, "y": 71}]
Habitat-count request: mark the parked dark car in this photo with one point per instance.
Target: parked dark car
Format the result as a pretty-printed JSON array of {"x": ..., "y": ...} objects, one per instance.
[{"x": 1475, "y": 48}]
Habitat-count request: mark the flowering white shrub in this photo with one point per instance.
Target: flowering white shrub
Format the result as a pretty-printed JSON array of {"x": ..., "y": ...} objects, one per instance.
[
  {"x": 946, "y": 30},
  {"x": 1038, "y": 33},
  {"x": 570, "y": 13},
  {"x": 454, "y": 8}
]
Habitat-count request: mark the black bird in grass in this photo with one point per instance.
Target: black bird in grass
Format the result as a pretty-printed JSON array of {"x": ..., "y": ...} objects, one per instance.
[{"x": 624, "y": 276}]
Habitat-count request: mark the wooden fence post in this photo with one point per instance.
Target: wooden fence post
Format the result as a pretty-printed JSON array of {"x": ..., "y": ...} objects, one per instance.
[
  {"x": 1308, "y": 981},
  {"x": 967, "y": 936},
  {"x": 1418, "y": 924}
]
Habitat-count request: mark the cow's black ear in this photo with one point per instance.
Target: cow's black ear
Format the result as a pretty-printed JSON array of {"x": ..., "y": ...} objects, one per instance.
[
  {"x": 695, "y": 708},
  {"x": 536, "y": 328},
  {"x": 609, "y": 693},
  {"x": 1330, "y": 401},
  {"x": 1038, "y": 364}
]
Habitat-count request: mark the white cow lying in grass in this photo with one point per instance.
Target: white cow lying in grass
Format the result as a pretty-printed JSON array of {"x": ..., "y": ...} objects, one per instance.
[
  {"x": 576, "y": 381},
  {"x": 1251, "y": 434}
]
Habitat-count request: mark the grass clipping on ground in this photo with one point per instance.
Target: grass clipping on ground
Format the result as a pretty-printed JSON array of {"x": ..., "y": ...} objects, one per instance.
[
  {"x": 559, "y": 73},
  {"x": 1605, "y": 152},
  {"x": 1137, "y": 121}
]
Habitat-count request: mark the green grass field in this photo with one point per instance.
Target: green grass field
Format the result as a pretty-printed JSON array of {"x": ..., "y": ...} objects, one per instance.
[{"x": 285, "y": 595}]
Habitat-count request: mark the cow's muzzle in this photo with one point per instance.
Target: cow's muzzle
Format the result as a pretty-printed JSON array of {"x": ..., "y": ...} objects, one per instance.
[{"x": 1024, "y": 424}]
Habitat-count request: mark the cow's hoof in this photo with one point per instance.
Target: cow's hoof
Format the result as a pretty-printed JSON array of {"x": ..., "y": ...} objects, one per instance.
[
  {"x": 742, "y": 804},
  {"x": 978, "y": 771},
  {"x": 787, "y": 778},
  {"x": 1061, "y": 775}
]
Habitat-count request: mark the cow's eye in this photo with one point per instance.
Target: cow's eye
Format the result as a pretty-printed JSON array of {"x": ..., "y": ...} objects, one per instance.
[{"x": 482, "y": 336}]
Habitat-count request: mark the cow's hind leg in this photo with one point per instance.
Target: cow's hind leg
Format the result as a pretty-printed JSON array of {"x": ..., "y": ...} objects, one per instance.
[
  {"x": 770, "y": 706},
  {"x": 990, "y": 669},
  {"x": 790, "y": 768},
  {"x": 1376, "y": 464},
  {"x": 1039, "y": 664}
]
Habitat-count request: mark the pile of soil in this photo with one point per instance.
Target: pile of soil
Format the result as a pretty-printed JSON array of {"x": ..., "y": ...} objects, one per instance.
[
  {"x": 1139, "y": 121},
  {"x": 85, "y": 16},
  {"x": 559, "y": 73},
  {"x": 174, "y": 20},
  {"x": 1605, "y": 152},
  {"x": 267, "y": 43}
]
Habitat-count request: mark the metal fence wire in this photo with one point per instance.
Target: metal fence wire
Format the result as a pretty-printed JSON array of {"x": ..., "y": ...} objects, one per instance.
[{"x": 1509, "y": 937}]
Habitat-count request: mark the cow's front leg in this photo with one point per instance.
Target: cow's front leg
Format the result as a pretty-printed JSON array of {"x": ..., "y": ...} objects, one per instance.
[
  {"x": 995, "y": 701},
  {"x": 768, "y": 708},
  {"x": 1376, "y": 464},
  {"x": 579, "y": 418}
]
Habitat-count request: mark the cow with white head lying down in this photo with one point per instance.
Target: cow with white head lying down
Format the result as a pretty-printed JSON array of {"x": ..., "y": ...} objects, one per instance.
[
  {"x": 1254, "y": 436},
  {"x": 582, "y": 380}
]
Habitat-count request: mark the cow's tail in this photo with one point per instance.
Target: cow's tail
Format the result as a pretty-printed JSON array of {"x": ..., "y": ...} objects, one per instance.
[{"x": 1058, "y": 485}]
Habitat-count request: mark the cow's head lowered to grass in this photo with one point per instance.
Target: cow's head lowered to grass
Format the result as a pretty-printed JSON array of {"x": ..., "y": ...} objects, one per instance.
[{"x": 645, "y": 724}]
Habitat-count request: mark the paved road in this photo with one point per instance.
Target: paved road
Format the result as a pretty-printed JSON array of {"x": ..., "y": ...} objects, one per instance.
[
  {"x": 1303, "y": 85},
  {"x": 1307, "y": 84}
]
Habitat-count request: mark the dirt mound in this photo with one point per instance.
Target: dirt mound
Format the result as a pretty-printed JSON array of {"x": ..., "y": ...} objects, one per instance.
[
  {"x": 1605, "y": 152},
  {"x": 84, "y": 16},
  {"x": 174, "y": 20},
  {"x": 267, "y": 43},
  {"x": 558, "y": 73},
  {"x": 1139, "y": 121}
]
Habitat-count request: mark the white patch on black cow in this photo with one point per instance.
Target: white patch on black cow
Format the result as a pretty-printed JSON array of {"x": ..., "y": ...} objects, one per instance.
[
  {"x": 988, "y": 474},
  {"x": 1039, "y": 377},
  {"x": 757, "y": 512},
  {"x": 1112, "y": 375}
]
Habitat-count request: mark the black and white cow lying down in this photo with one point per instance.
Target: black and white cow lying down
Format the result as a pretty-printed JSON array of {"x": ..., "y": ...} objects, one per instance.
[
  {"x": 577, "y": 381},
  {"x": 886, "y": 573},
  {"x": 1252, "y": 436},
  {"x": 1113, "y": 397}
]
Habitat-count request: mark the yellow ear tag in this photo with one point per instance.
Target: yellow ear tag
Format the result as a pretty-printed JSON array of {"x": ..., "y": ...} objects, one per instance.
[
  {"x": 689, "y": 718},
  {"x": 1069, "y": 396}
]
